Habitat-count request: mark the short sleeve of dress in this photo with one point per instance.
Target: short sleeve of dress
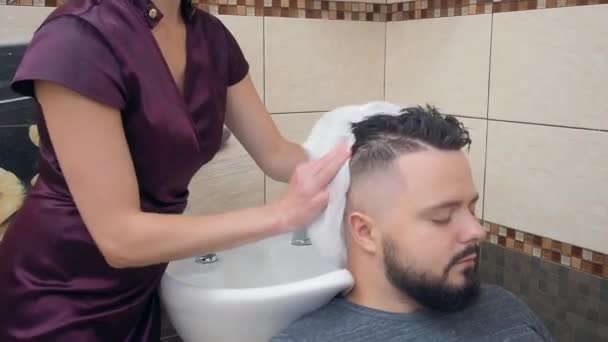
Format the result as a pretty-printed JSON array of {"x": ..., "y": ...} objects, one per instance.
[
  {"x": 239, "y": 67},
  {"x": 70, "y": 52}
]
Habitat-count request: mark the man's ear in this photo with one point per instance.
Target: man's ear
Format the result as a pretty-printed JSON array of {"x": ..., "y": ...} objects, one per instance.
[{"x": 363, "y": 232}]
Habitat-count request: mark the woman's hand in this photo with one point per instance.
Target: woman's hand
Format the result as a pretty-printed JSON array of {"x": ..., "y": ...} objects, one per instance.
[{"x": 307, "y": 195}]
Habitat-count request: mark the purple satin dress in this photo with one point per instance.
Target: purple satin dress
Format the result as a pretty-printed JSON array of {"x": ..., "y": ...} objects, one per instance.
[{"x": 54, "y": 283}]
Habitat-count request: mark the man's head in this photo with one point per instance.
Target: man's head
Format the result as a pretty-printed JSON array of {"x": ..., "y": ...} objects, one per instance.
[{"x": 410, "y": 215}]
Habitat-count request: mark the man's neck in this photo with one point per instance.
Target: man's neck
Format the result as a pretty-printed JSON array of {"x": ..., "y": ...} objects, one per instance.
[
  {"x": 378, "y": 301},
  {"x": 374, "y": 291}
]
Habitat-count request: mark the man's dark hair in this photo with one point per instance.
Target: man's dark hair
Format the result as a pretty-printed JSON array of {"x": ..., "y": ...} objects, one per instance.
[{"x": 381, "y": 138}]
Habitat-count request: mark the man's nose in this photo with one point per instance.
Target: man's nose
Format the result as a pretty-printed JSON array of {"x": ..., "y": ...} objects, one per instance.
[{"x": 473, "y": 230}]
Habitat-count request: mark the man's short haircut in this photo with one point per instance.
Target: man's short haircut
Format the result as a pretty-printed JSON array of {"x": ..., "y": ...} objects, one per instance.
[{"x": 382, "y": 138}]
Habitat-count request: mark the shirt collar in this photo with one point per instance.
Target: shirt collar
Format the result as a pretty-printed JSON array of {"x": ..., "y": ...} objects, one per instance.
[{"x": 153, "y": 15}]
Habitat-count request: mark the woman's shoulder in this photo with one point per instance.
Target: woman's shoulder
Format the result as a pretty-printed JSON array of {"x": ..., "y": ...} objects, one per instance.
[
  {"x": 77, "y": 40},
  {"x": 206, "y": 18},
  {"x": 214, "y": 36},
  {"x": 212, "y": 27},
  {"x": 209, "y": 24},
  {"x": 101, "y": 19}
]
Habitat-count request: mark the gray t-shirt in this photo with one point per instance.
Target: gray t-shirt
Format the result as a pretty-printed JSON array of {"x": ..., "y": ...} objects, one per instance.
[{"x": 496, "y": 316}]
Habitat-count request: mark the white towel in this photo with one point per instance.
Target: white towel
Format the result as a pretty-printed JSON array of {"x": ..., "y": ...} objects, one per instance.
[{"x": 325, "y": 232}]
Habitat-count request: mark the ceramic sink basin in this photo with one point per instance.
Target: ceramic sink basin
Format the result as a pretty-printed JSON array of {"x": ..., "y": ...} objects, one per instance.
[{"x": 250, "y": 292}]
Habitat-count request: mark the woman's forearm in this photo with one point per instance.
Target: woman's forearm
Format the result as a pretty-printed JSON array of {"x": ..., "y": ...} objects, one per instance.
[
  {"x": 251, "y": 123},
  {"x": 148, "y": 238},
  {"x": 155, "y": 238},
  {"x": 285, "y": 160}
]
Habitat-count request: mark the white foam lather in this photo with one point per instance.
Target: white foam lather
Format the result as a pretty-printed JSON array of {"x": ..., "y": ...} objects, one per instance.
[{"x": 330, "y": 130}]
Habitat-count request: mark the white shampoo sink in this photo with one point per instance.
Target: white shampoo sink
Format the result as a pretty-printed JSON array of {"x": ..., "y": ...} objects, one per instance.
[{"x": 250, "y": 292}]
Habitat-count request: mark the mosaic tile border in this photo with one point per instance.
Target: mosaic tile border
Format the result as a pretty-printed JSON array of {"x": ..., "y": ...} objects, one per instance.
[
  {"x": 424, "y": 9},
  {"x": 311, "y": 9},
  {"x": 546, "y": 249},
  {"x": 357, "y": 10}
]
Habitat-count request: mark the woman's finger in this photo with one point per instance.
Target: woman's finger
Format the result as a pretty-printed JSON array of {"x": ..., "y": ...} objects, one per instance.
[
  {"x": 329, "y": 169},
  {"x": 320, "y": 163}
]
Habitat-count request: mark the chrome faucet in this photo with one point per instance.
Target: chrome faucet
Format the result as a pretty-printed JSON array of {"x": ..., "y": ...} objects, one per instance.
[
  {"x": 226, "y": 135},
  {"x": 206, "y": 259},
  {"x": 300, "y": 238}
]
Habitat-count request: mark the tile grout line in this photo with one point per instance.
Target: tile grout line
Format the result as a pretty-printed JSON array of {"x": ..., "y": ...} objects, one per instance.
[
  {"x": 550, "y": 125},
  {"x": 264, "y": 87},
  {"x": 533, "y": 123},
  {"x": 485, "y": 155},
  {"x": 264, "y": 59},
  {"x": 301, "y": 112},
  {"x": 471, "y": 117},
  {"x": 385, "y": 57}
]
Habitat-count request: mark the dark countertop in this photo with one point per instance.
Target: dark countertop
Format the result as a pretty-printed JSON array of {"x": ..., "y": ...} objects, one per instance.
[
  {"x": 10, "y": 57},
  {"x": 14, "y": 109}
]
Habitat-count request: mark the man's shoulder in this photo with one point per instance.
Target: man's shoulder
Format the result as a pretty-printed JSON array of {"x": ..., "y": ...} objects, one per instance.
[
  {"x": 496, "y": 300},
  {"x": 316, "y": 325},
  {"x": 495, "y": 290},
  {"x": 493, "y": 294},
  {"x": 499, "y": 310},
  {"x": 502, "y": 309}
]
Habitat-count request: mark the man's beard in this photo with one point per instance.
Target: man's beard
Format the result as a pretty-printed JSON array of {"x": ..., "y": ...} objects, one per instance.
[{"x": 434, "y": 294}]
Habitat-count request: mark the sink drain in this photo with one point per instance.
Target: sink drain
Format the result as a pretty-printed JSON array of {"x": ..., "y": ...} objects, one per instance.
[{"x": 206, "y": 259}]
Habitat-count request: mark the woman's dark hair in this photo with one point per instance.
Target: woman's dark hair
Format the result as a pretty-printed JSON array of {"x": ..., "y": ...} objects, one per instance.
[{"x": 186, "y": 8}]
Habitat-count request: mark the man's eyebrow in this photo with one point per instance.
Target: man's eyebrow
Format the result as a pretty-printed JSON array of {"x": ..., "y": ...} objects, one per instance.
[{"x": 448, "y": 205}]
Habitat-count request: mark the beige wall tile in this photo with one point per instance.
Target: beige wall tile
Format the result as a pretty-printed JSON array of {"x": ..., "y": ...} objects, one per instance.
[
  {"x": 230, "y": 181},
  {"x": 549, "y": 181},
  {"x": 442, "y": 61},
  {"x": 477, "y": 154},
  {"x": 249, "y": 33},
  {"x": 317, "y": 65},
  {"x": 551, "y": 66},
  {"x": 18, "y": 23},
  {"x": 295, "y": 127}
]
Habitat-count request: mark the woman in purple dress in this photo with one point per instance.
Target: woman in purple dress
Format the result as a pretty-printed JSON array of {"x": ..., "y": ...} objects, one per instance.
[{"x": 134, "y": 96}]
